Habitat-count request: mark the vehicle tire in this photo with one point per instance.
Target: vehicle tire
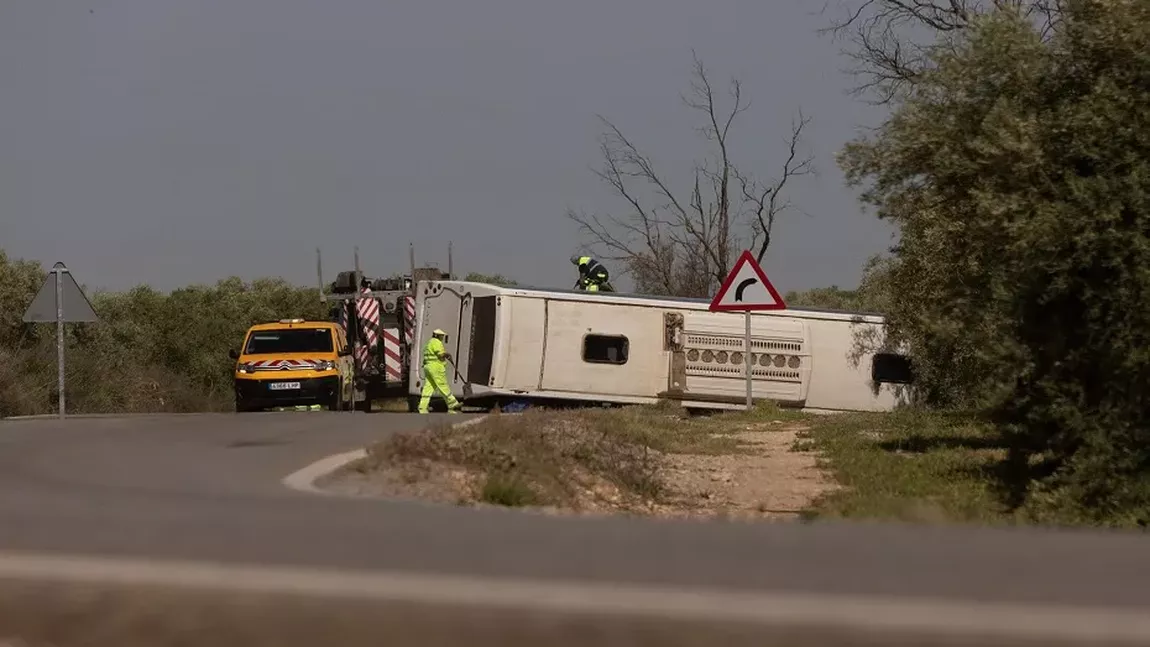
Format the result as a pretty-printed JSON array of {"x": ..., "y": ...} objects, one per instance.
[
  {"x": 412, "y": 403},
  {"x": 336, "y": 402}
]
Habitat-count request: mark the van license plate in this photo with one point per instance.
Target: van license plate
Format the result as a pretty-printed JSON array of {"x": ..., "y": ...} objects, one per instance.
[{"x": 284, "y": 386}]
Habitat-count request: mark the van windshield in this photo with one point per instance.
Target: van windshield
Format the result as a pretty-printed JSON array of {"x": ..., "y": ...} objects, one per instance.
[{"x": 293, "y": 340}]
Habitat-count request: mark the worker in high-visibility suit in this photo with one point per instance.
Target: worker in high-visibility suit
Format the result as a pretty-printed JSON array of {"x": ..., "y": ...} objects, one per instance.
[
  {"x": 435, "y": 359},
  {"x": 593, "y": 276}
]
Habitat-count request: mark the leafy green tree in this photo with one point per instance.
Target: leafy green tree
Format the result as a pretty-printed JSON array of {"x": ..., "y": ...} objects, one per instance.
[
  {"x": 1017, "y": 169},
  {"x": 889, "y": 42}
]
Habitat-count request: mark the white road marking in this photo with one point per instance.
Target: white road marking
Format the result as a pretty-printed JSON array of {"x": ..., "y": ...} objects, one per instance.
[{"x": 304, "y": 479}]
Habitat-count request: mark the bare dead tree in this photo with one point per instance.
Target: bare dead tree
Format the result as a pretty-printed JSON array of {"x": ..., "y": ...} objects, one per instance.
[
  {"x": 684, "y": 245},
  {"x": 766, "y": 202},
  {"x": 889, "y": 40}
]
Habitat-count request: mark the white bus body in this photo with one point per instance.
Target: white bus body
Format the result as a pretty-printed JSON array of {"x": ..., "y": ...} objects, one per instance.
[{"x": 530, "y": 344}]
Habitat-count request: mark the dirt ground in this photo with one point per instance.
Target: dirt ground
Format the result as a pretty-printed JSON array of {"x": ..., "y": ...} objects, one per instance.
[
  {"x": 771, "y": 480},
  {"x": 767, "y": 478}
]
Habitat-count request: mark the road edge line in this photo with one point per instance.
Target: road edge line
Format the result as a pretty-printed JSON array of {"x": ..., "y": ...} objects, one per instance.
[{"x": 304, "y": 479}]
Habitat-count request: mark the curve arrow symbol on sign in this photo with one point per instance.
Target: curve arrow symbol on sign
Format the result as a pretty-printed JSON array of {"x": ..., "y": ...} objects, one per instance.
[{"x": 746, "y": 283}]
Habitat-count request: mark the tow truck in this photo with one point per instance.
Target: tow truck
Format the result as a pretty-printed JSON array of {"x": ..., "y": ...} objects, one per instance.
[{"x": 377, "y": 316}]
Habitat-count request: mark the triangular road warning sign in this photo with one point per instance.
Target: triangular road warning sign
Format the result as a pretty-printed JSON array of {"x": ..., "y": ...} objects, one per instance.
[
  {"x": 747, "y": 288},
  {"x": 75, "y": 305}
]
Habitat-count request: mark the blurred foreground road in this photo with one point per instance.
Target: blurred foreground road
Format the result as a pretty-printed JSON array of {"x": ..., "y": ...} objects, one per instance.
[{"x": 188, "y": 535}]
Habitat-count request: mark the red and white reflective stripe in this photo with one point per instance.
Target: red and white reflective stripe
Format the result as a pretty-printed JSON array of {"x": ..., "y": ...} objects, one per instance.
[
  {"x": 392, "y": 358},
  {"x": 367, "y": 310},
  {"x": 409, "y": 318},
  {"x": 284, "y": 364}
]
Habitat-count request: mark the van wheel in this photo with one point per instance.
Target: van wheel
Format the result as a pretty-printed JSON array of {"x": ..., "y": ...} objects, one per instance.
[{"x": 412, "y": 403}]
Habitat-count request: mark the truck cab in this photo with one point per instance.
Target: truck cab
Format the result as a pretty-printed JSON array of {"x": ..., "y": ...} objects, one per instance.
[{"x": 293, "y": 362}]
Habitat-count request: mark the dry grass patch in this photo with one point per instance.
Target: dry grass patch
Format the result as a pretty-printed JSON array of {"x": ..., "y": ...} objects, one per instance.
[{"x": 635, "y": 460}]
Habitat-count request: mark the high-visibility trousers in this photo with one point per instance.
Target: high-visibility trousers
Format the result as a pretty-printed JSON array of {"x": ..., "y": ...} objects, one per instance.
[{"x": 435, "y": 381}]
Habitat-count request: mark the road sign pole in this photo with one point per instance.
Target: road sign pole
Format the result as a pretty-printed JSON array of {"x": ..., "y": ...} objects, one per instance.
[
  {"x": 49, "y": 305},
  {"x": 747, "y": 361},
  {"x": 59, "y": 272}
]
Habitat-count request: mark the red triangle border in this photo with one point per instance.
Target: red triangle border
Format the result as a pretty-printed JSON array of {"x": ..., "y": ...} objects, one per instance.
[{"x": 746, "y": 257}]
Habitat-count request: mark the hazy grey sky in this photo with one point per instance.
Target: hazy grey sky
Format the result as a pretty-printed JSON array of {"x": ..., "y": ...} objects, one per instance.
[{"x": 169, "y": 142}]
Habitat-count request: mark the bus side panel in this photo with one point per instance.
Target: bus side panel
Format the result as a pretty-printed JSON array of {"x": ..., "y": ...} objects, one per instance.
[{"x": 605, "y": 349}]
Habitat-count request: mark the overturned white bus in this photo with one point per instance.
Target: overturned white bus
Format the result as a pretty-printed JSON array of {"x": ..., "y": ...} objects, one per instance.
[{"x": 534, "y": 344}]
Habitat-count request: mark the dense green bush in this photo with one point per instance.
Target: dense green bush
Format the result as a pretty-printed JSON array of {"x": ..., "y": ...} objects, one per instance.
[
  {"x": 870, "y": 296},
  {"x": 149, "y": 352}
]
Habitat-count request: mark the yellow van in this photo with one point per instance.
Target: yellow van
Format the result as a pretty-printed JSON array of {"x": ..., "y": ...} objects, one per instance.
[{"x": 293, "y": 362}]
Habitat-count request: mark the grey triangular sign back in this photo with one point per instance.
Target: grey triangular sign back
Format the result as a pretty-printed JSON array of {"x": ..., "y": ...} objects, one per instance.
[{"x": 76, "y": 307}]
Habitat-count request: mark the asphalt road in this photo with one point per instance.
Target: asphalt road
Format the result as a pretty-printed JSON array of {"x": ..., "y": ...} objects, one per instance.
[{"x": 207, "y": 487}]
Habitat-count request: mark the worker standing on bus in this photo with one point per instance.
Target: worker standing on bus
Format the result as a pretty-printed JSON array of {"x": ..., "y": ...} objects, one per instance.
[
  {"x": 592, "y": 275},
  {"x": 435, "y": 359}
]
